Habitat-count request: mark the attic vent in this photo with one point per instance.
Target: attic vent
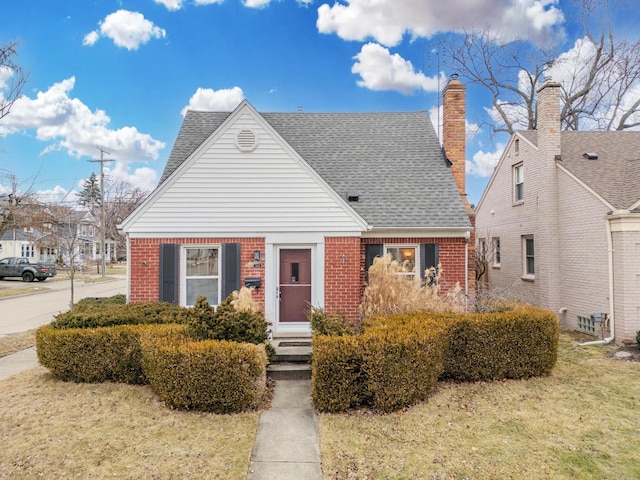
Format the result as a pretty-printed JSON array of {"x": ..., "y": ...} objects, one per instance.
[
  {"x": 246, "y": 141},
  {"x": 353, "y": 196},
  {"x": 590, "y": 155}
]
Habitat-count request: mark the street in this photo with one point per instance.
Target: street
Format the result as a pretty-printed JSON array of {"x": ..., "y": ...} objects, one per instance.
[{"x": 18, "y": 314}]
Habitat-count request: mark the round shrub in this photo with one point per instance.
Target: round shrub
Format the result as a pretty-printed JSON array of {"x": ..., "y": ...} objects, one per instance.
[
  {"x": 213, "y": 376},
  {"x": 323, "y": 323}
]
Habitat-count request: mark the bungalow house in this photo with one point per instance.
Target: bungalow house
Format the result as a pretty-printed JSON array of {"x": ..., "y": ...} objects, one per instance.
[
  {"x": 297, "y": 205},
  {"x": 560, "y": 222}
]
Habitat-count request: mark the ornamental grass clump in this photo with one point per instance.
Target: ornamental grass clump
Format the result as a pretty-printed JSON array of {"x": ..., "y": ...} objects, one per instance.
[{"x": 390, "y": 291}]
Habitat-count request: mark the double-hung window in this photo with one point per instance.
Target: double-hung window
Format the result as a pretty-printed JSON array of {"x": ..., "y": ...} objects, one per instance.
[
  {"x": 202, "y": 274},
  {"x": 495, "y": 246},
  {"x": 528, "y": 257},
  {"x": 518, "y": 183},
  {"x": 406, "y": 256}
]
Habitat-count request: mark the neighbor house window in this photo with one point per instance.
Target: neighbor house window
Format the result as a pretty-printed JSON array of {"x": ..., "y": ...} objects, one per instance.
[
  {"x": 202, "y": 274},
  {"x": 406, "y": 256},
  {"x": 518, "y": 183},
  {"x": 495, "y": 245},
  {"x": 27, "y": 251},
  {"x": 529, "y": 257}
]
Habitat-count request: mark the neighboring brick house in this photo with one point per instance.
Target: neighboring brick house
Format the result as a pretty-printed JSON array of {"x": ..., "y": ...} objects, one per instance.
[
  {"x": 297, "y": 204},
  {"x": 560, "y": 220}
]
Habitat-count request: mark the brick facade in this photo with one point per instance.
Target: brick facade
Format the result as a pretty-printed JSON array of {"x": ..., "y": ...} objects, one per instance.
[
  {"x": 145, "y": 263},
  {"x": 343, "y": 267},
  {"x": 451, "y": 254}
]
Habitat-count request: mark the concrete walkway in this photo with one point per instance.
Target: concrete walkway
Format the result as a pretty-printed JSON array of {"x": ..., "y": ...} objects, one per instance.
[
  {"x": 17, "y": 363},
  {"x": 287, "y": 445}
]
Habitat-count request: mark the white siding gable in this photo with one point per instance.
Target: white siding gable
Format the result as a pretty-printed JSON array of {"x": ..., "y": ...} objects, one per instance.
[{"x": 222, "y": 189}]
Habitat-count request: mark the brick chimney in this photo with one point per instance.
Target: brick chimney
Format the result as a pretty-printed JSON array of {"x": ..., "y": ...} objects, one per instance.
[
  {"x": 454, "y": 142},
  {"x": 454, "y": 131}
]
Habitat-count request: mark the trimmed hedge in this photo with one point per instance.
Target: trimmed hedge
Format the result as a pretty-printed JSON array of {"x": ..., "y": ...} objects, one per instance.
[
  {"x": 93, "y": 315},
  {"x": 402, "y": 365},
  {"x": 105, "y": 354},
  {"x": 211, "y": 375},
  {"x": 385, "y": 368},
  {"x": 398, "y": 358},
  {"x": 88, "y": 302},
  {"x": 338, "y": 381},
  {"x": 520, "y": 343}
]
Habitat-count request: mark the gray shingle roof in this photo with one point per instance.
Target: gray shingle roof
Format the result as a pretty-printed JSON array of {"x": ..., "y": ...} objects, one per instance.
[
  {"x": 392, "y": 160},
  {"x": 615, "y": 174}
]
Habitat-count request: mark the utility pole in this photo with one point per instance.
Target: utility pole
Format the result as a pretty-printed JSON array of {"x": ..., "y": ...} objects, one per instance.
[{"x": 102, "y": 227}]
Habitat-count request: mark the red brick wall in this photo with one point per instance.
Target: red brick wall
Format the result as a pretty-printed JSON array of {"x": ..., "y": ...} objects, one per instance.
[
  {"x": 342, "y": 273},
  {"x": 451, "y": 254},
  {"x": 145, "y": 263}
]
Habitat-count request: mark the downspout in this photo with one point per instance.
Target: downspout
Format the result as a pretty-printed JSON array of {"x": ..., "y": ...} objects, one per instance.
[
  {"x": 466, "y": 271},
  {"x": 612, "y": 316}
]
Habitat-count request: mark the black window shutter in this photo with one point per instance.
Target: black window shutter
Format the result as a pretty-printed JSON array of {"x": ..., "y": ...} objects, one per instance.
[
  {"x": 372, "y": 250},
  {"x": 230, "y": 268},
  {"x": 169, "y": 261},
  {"x": 428, "y": 257}
]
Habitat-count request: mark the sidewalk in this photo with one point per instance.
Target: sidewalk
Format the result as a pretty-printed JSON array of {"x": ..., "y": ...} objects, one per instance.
[
  {"x": 18, "y": 363},
  {"x": 287, "y": 444}
]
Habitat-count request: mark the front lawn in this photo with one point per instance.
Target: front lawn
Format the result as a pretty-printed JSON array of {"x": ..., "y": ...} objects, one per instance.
[
  {"x": 53, "y": 429},
  {"x": 583, "y": 422}
]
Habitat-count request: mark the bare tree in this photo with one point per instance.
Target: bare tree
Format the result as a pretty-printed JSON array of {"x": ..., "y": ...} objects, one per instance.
[
  {"x": 16, "y": 202},
  {"x": 64, "y": 228},
  {"x": 12, "y": 75},
  {"x": 597, "y": 90},
  {"x": 121, "y": 198}
]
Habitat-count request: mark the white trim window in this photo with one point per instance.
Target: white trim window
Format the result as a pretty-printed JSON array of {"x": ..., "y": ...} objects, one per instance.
[
  {"x": 518, "y": 183},
  {"x": 528, "y": 253},
  {"x": 495, "y": 246},
  {"x": 407, "y": 256},
  {"x": 201, "y": 274},
  {"x": 27, "y": 251}
]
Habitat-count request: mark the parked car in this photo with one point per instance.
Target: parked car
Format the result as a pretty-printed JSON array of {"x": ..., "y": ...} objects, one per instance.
[{"x": 21, "y": 267}]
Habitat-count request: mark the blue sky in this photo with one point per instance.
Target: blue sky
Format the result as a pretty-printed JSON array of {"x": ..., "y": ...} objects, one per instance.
[{"x": 120, "y": 74}]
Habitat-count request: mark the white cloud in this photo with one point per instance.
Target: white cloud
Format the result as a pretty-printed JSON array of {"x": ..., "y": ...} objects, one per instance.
[
  {"x": 209, "y": 100},
  {"x": 5, "y": 74},
  {"x": 387, "y": 21},
  {"x": 72, "y": 126},
  {"x": 483, "y": 163},
  {"x": 127, "y": 29},
  {"x": 381, "y": 70},
  {"x": 144, "y": 177},
  {"x": 57, "y": 194},
  {"x": 171, "y": 4},
  {"x": 90, "y": 38},
  {"x": 256, "y": 3},
  {"x": 207, "y": 2}
]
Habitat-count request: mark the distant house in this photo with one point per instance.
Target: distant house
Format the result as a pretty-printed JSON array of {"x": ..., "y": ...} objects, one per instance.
[
  {"x": 298, "y": 205},
  {"x": 55, "y": 231},
  {"x": 560, "y": 222},
  {"x": 25, "y": 242}
]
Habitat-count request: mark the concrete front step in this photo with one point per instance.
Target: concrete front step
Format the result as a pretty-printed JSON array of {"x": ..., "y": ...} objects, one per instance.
[
  {"x": 293, "y": 357},
  {"x": 289, "y": 371}
]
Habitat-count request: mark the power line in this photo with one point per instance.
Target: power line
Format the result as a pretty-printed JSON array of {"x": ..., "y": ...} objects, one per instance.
[{"x": 102, "y": 160}]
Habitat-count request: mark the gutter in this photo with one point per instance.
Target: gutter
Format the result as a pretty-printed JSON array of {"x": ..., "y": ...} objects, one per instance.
[{"x": 612, "y": 316}]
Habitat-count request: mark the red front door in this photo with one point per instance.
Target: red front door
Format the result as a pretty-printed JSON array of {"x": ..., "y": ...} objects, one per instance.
[{"x": 294, "y": 284}]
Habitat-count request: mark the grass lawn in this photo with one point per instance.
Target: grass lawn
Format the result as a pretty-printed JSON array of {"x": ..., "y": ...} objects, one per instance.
[
  {"x": 51, "y": 429},
  {"x": 582, "y": 422}
]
